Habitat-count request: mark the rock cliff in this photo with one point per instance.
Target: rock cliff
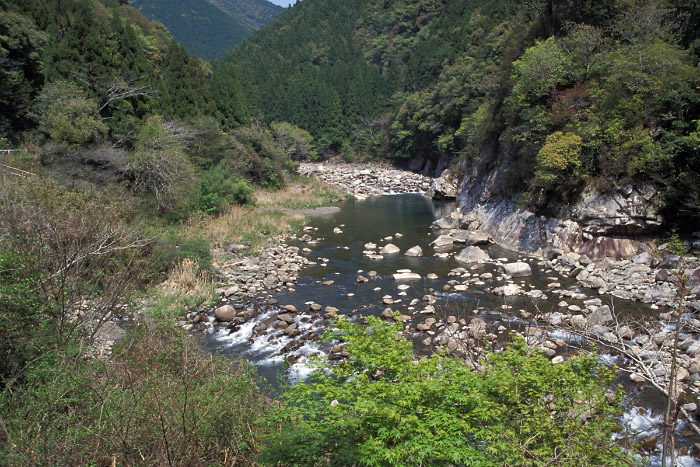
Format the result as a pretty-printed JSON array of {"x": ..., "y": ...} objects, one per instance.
[{"x": 598, "y": 224}]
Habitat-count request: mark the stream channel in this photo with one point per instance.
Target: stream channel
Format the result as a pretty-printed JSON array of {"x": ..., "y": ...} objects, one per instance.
[{"x": 338, "y": 257}]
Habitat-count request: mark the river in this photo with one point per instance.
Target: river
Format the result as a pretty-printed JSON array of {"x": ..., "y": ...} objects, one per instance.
[{"x": 336, "y": 247}]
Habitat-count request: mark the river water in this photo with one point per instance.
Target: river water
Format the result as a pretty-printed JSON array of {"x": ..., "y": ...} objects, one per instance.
[{"x": 337, "y": 249}]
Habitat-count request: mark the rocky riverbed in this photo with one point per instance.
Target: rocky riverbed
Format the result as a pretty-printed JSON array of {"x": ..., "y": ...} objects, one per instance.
[
  {"x": 364, "y": 180},
  {"x": 555, "y": 303}
]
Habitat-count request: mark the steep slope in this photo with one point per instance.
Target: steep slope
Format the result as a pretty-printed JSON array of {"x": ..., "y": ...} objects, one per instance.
[
  {"x": 253, "y": 13},
  {"x": 209, "y": 28},
  {"x": 546, "y": 98}
]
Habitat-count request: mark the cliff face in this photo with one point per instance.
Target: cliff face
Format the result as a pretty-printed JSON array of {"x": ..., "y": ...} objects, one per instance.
[{"x": 614, "y": 224}]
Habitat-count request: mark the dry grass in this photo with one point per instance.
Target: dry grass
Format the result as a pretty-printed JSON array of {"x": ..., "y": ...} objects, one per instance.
[
  {"x": 186, "y": 279},
  {"x": 265, "y": 220}
]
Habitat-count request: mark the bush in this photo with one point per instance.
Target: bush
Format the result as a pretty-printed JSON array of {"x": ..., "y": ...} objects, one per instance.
[
  {"x": 197, "y": 250},
  {"x": 75, "y": 247},
  {"x": 382, "y": 406},
  {"x": 160, "y": 166},
  {"x": 161, "y": 400},
  {"x": 219, "y": 189}
]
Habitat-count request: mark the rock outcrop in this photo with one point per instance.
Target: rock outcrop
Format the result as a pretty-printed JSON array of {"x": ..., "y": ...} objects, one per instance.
[{"x": 600, "y": 225}]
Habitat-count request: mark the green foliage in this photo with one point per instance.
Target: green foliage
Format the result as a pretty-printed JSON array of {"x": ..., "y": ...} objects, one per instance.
[
  {"x": 197, "y": 250},
  {"x": 21, "y": 311},
  {"x": 228, "y": 95},
  {"x": 560, "y": 154},
  {"x": 540, "y": 70},
  {"x": 20, "y": 62},
  {"x": 219, "y": 189},
  {"x": 294, "y": 141},
  {"x": 256, "y": 155},
  {"x": 187, "y": 91},
  {"x": 67, "y": 115},
  {"x": 674, "y": 243},
  {"x": 383, "y": 406},
  {"x": 209, "y": 29}
]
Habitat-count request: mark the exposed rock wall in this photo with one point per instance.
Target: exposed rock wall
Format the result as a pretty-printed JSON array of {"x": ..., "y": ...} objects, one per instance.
[{"x": 600, "y": 225}]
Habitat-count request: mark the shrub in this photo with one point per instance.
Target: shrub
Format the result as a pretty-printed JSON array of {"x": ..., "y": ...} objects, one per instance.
[
  {"x": 79, "y": 249},
  {"x": 160, "y": 166},
  {"x": 197, "y": 250},
  {"x": 382, "y": 406},
  {"x": 218, "y": 189},
  {"x": 160, "y": 400}
]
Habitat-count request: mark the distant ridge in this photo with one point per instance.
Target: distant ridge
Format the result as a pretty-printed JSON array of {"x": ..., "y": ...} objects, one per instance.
[{"x": 209, "y": 28}]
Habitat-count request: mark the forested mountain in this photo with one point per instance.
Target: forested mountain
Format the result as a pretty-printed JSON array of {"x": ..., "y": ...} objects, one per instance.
[
  {"x": 569, "y": 93},
  {"x": 209, "y": 28}
]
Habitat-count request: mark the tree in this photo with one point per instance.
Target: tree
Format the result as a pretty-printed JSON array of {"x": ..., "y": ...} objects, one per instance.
[
  {"x": 540, "y": 70},
  {"x": 65, "y": 114},
  {"x": 20, "y": 65},
  {"x": 559, "y": 156},
  {"x": 228, "y": 96},
  {"x": 383, "y": 406},
  {"x": 160, "y": 166},
  {"x": 294, "y": 141}
]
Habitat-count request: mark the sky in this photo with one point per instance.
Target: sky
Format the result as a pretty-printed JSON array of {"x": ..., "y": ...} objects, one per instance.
[{"x": 284, "y": 3}]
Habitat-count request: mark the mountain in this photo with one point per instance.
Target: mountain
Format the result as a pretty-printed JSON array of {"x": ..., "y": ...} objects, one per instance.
[
  {"x": 554, "y": 96},
  {"x": 209, "y": 28},
  {"x": 254, "y": 13}
]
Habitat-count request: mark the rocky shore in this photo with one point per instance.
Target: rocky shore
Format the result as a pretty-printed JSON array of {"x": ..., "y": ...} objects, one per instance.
[{"x": 365, "y": 180}]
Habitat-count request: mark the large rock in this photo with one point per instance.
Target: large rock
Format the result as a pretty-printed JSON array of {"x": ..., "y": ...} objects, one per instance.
[
  {"x": 447, "y": 222},
  {"x": 415, "y": 251},
  {"x": 473, "y": 254},
  {"x": 390, "y": 249},
  {"x": 470, "y": 238},
  {"x": 225, "y": 313},
  {"x": 442, "y": 240},
  {"x": 628, "y": 211},
  {"x": 518, "y": 269},
  {"x": 579, "y": 322},
  {"x": 406, "y": 276},
  {"x": 445, "y": 186},
  {"x": 600, "y": 316}
]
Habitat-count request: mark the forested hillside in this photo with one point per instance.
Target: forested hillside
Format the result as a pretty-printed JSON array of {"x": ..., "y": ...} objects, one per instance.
[
  {"x": 570, "y": 93},
  {"x": 209, "y": 28}
]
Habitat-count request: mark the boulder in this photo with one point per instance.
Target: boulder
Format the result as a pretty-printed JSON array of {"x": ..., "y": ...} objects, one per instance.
[
  {"x": 442, "y": 240},
  {"x": 600, "y": 316},
  {"x": 225, "y": 313},
  {"x": 579, "y": 322},
  {"x": 518, "y": 269},
  {"x": 470, "y": 238},
  {"x": 231, "y": 291},
  {"x": 445, "y": 186},
  {"x": 507, "y": 290},
  {"x": 414, "y": 251},
  {"x": 473, "y": 254},
  {"x": 447, "y": 222},
  {"x": 406, "y": 276},
  {"x": 629, "y": 211},
  {"x": 286, "y": 317},
  {"x": 388, "y": 313},
  {"x": 390, "y": 249}
]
